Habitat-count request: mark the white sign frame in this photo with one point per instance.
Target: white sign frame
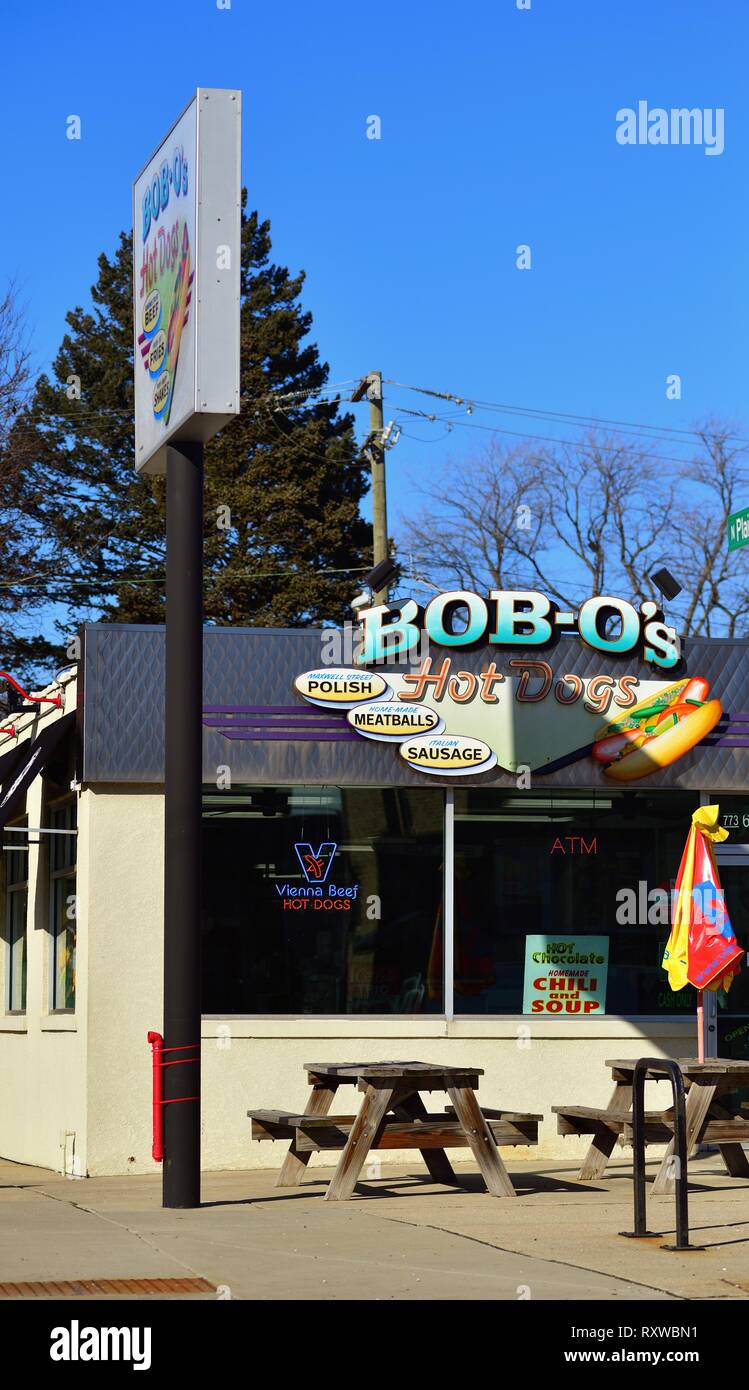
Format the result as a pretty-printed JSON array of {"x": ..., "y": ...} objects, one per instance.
[{"x": 186, "y": 267}]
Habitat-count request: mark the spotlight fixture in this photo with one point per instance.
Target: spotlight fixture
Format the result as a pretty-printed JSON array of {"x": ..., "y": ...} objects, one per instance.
[
  {"x": 383, "y": 574},
  {"x": 378, "y": 578},
  {"x": 665, "y": 582}
]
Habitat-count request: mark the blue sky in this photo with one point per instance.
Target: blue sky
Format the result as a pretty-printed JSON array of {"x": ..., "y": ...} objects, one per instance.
[{"x": 498, "y": 128}]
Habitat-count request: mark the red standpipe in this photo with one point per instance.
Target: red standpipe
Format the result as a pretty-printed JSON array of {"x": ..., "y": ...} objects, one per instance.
[{"x": 157, "y": 1048}]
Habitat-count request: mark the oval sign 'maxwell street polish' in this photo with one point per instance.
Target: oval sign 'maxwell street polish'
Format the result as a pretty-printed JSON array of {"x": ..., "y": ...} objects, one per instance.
[
  {"x": 448, "y": 755},
  {"x": 392, "y": 722},
  {"x": 340, "y": 687}
]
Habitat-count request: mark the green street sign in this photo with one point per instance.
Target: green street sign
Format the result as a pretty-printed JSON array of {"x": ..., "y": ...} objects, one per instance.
[{"x": 738, "y": 529}]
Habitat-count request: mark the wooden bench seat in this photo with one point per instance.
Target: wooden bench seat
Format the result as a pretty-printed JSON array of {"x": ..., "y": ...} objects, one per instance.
[
  {"x": 311, "y": 1133},
  {"x": 659, "y": 1126},
  {"x": 587, "y": 1119}
]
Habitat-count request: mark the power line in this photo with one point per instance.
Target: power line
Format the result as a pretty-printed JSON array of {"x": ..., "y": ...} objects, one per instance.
[
  {"x": 114, "y": 581},
  {"x": 327, "y": 395},
  {"x": 546, "y": 438},
  {"x": 333, "y": 387},
  {"x": 330, "y": 393},
  {"x": 472, "y": 402},
  {"x": 655, "y": 432},
  {"x": 300, "y": 448}
]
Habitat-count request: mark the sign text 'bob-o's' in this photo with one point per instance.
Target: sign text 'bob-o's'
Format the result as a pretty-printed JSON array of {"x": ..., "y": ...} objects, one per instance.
[{"x": 522, "y": 618}]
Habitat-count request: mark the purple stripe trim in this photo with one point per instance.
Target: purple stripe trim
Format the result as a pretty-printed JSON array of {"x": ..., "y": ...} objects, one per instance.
[
  {"x": 216, "y": 722},
  {"x": 265, "y": 735},
  {"x": 741, "y": 717},
  {"x": 325, "y": 735},
  {"x": 268, "y": 709}
]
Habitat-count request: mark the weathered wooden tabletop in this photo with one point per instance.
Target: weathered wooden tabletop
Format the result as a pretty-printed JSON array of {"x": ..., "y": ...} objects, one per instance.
[
  {"x": 424, "y": 1076},
  {"x": 691, "y": 1066}
]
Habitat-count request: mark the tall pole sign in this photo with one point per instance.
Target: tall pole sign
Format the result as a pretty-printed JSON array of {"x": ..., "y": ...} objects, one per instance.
[
  {"x": 186, "y": 263},
  {"x": 186, "y": 295}
]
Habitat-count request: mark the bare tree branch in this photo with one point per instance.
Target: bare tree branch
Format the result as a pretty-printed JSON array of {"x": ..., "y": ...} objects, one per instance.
[{"x": 593, "y": 517}]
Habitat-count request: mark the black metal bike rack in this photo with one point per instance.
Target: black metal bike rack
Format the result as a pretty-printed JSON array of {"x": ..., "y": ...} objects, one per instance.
[{"x": 672, "y": 1071}]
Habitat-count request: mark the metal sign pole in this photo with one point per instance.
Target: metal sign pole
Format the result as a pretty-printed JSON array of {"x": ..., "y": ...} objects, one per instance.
[{"x": 182, "y": 838}]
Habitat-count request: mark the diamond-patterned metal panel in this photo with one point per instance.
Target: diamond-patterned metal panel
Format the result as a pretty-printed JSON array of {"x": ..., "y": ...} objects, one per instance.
[{"x": 254, "y": 667}]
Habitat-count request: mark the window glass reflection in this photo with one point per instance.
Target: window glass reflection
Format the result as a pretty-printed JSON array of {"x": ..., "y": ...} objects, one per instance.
[{"x": 322, "y": 900}]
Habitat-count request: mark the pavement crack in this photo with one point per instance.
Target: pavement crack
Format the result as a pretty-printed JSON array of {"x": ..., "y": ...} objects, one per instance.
[
  {"x": 544, "y": 1259},
  {"x": 122, "y": 1226}
]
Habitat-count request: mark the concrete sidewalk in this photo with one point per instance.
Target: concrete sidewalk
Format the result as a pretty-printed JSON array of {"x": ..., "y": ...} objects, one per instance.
[{"x": 401, "y": 1237}]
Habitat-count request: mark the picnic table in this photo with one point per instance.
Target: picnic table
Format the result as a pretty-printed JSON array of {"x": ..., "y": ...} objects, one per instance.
[
  {"x": 392, "y": 1115},
  {"x": 712, "y": 1117}
]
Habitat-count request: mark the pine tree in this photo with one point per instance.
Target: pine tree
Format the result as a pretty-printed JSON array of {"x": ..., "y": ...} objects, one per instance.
[
  {"x": 288, "y": 548},
  {"x": 22, "y": 648}
]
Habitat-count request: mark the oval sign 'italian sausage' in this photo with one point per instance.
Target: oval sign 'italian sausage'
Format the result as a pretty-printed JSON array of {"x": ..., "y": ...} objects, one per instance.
[
  {"x": 340, "y": 686},
  {"x": 392, "y": 722},
  {"x": 448, "y": 755}
]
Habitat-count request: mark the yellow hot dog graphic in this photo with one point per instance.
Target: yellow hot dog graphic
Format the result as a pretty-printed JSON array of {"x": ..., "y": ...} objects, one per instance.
[
  {"x": 657, "y": 731},
  {"x": 177, "y": 316}
]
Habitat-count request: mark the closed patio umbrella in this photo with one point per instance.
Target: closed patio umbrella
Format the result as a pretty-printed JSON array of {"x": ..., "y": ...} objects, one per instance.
[{"x": 702, "y": 949}]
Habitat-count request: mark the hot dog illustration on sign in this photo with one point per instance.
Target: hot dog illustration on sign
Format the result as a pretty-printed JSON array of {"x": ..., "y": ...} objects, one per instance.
[
  {"x": 657, "y": 731},
  {"x": 161, "y": 337},
  {"x": 165, "y": 238},
  {"x": 315, "y": 863}
]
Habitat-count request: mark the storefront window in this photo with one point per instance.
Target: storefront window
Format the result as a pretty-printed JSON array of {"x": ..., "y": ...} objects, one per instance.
[
  {"x": 16, "y": 901},
  {"x": 327, "y": 900},
  {"x": 62, "y": 861},
  {"x": 563, "y": 867},
  {"x": 323, "y": 900}
]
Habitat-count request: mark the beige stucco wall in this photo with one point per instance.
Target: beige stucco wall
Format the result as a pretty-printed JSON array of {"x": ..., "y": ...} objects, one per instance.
[
  {"x": 125, "y": 830},
  {"x": 43, "y": 1055},
  {"x": 94, "y": 1078}
]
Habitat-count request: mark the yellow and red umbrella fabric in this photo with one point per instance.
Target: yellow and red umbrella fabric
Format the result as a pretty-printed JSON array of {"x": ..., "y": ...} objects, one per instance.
[{"x": 702, "y": 949}]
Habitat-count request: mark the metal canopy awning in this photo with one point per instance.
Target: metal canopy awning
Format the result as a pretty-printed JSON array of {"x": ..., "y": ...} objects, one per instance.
[{"x": 19, "y": 767}]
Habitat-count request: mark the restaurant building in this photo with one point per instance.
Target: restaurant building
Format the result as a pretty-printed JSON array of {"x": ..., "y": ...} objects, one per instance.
[{"x": 433, "y": 850}]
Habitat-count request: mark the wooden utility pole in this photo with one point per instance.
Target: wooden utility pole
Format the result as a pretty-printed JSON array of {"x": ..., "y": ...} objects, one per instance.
[{"x": 372, "y": 387}]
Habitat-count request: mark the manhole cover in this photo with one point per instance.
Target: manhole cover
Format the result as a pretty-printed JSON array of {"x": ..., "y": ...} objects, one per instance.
[{"x": 68, "y": 1288}]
